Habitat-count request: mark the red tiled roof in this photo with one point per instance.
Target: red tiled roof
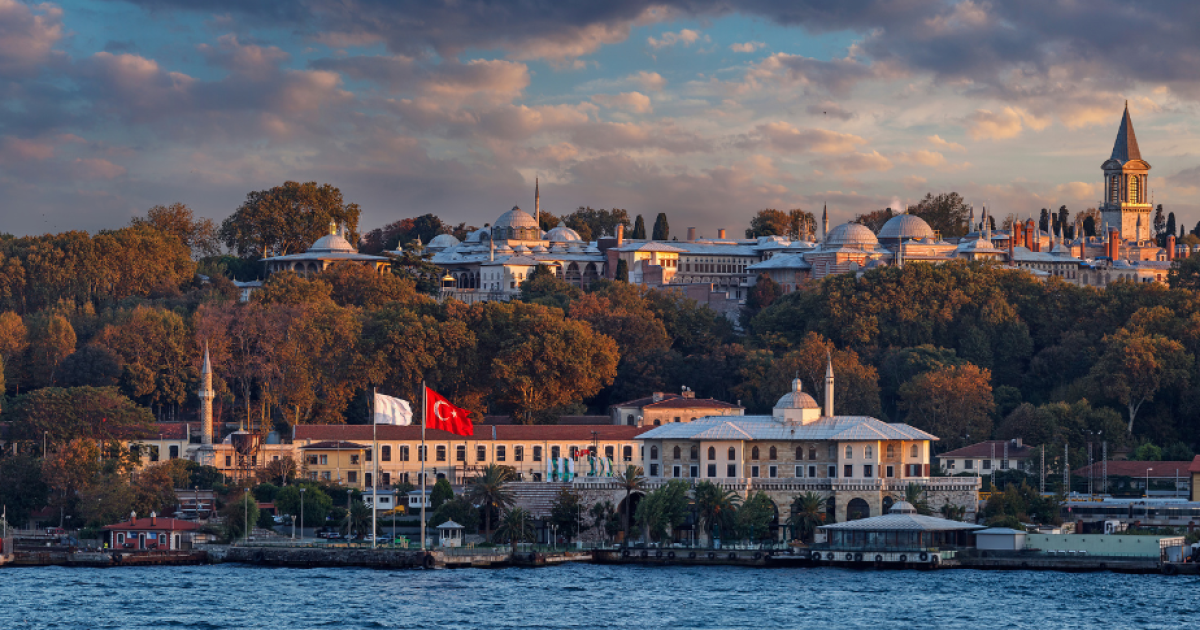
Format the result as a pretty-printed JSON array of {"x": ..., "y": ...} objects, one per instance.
[
  {"x": 530, "y": 432},
  {"x": 172, "y": 430},
  {"x": 1195, "y": 467},
  {"x": 589, "y": 420},
  {"x": 675, "y": 401},
  {"x": 984, "y": 449},
  {"x": 1161, "y": 470},
  {"x": 161, "y": 524},
  {"x": 336, "y": 445}
]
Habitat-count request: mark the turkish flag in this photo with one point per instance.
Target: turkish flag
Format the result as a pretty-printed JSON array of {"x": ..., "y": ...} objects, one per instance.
[{"x": 440, "y": 414}]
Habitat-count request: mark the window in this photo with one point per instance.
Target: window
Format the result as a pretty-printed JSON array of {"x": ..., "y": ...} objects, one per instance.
[
  {"x": 173, "y": 452},
  {"x": 891, "y": 450},
  {"x": 460, "y": 453},
  {"x": 386, "y": 478},
  {"x": 754, "y": 471},
  {"x": 914, "y": 451},
  {"x": 678, "y": 452},
  {"x": 608, "y": 452},
  {"x": 812, "y": 471},
  {"x": 385, "y": 454},
  {"x": 773, "y": 454},
  {"x": 712, "y": 470},
  {"x": 324, "y": 460},
  {"x": 677, "y": 471},
  {"x": 518, "y": 453},
  {"x": 950, "y": 464},
  {"x": 440, "y": 453},
  {"x": 695, "y": 452},
  {"x": 833, "y": 472},
  {"x": 868, "y": 452},
  {"x": 753, "y": 455},
  {"x": 629, "y": 420},
  {"x": 732, "y": 454},
  {"x": 772, "y": 471},
  {"x": 555, "y": 452},
  {"x": 653, "y": 452},
  {"x": 731, "y": 470},
  {"x": 1133, "y": 189},
  {"x": 326, "y": 476},
  {"x": 832, "y": 451},
  {"x": 481, "y": 453},
  {"x": 627, "y": 453},
  {"x": 352, "y": 476},
  {"x": 573, "y": 452},
  {"x": 1004, "y": 464},
  {"x": 676, "y": 418},
  {"x": 890, "y": 472},
  {"x": 799, "y": 453},
  {"x": 369, "y": 454},
  {"x": 712, "y": 452},
  {"x": 848, "y": 470},
  {"x": 537, "y": 453},
  {"x": 354, "y": 459},
  {"x": 653, "y": 470},
  {"x": 657, "y": 422},
  {"x": 500, "y": 453},
  {"x": 694, "y": 471},
  {"x": 969, "y": 464},
  {"x": 812, "y": 452},
  {"x": 849, "y": 452},
  {"x": 799, "y": 472},
  {"x": 404, "y": 453},
  {"x": 422, "y": 453},
  {"x": 987, "y": 464},
  {"x": 868, "y": 471},
  {"x": 312, "y": 460}
]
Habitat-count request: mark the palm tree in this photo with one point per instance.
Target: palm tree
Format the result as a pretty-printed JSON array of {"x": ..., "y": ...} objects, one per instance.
[
  {"x": 808, "y": 511},
  {"x": 915, "y": 495},
  {"x": 489, "y": 491},
  {"x": 716, "y": 507},
  {"x": 631, "y": 480},
  {"x": 358, "y": 519},
  {"x": 954, "y": 512},
  {"x": 515, "y": 527}
]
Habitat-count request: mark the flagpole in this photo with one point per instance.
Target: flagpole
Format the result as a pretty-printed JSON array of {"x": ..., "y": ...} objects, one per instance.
[
  {"x": 424, "y": 456},
  {"x": 374, "y": 466}
]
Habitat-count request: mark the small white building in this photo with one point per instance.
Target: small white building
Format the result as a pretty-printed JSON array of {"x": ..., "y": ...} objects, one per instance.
[
  {"x": 999, "y": 539},
  {"x": 450, "y": 534},
  {"x": 414, "y": 499},
  {"x": 387, "y": 500}
]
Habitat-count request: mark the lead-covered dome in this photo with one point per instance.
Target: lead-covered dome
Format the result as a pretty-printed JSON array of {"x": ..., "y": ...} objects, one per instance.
[
  {"x": 796, "y": 399},
  {"x": 562, "y": 235},
  {"x": 331, "y": 243},
  {"x": 442, "y": 241},
  {"x": 851, "y": 235},
  {"x": 516, "y": 218},
  {"x": 905, "y": 227}
]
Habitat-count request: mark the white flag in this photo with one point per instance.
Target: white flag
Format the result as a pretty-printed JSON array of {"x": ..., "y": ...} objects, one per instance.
[{"x": 390, "y": 410}]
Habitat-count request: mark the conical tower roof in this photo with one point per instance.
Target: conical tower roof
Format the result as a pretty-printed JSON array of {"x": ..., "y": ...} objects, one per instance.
[{"x": 1126, "y": 147}]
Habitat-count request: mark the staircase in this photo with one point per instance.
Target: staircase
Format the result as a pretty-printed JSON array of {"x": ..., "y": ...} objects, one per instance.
[{"x": 535, "y": 497}]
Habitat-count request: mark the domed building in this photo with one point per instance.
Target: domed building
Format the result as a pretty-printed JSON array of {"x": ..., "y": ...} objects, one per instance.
[
  {"x": 441, "y": 242},
  {"x": 516, "y": 225},
  {"x": 904, "y": 227},
  {"x": 852, "y": 235},
  {"x": 563, "y": 234},
  {"x": 327, "y": 251}
]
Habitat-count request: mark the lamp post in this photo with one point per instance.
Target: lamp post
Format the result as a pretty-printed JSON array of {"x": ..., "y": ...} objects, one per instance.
[
  {"x": 302, "y": 514},
  {"x": 294, "y": 527}
]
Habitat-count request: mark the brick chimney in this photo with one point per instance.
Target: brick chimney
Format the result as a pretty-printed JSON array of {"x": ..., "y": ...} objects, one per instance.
[
  {"x": 153, "y": 519},
  {"x": 1171, "y": 247},
  {"x": 721, "y": 234},
  {"x": 620, "y": 234},
  {"x": 691, "y": 234},
  {"x": 133, "y": 518}
]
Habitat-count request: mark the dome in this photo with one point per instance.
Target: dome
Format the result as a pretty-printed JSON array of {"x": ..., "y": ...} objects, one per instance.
[
  {"x": 562, "y": 235},
  {"x": 796, "y": 399},
  {"x": 516, "y": 218},
  {"x": 905, "y": 226},
  {"x": 442, "y": 241},
  {"x": 902, "y": 507},
  {"x": 332, "y": 243},
  {"x": 478, "y": 235},
  {"x": 851, "y": 235}
]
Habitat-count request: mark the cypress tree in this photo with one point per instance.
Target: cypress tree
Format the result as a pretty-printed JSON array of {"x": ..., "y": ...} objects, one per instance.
[
  {"x": 639, "y": 228},
  {"x": 662, "y": 231},
  {"x": 622, "y": 271},
  {"x": 1171, "y": 228}
]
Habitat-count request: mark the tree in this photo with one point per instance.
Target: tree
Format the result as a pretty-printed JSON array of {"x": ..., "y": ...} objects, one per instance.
[
  {"x": 1136, "y": 366},
  {"x": 716, "y": 508},
  {"x": 764, "y": 293},
  {"x": 915, "y": 495},
  {"x": 1172, "y": 229},
  {"x": 545, "y": 288},
  {"x": 71, "y": 468},
  {"x": 358, "y": 520},
  {"x": 592, "y": 224},
  {"x": 802, "y": 225},
  {"x": 92, "y": 365},
  {"x": 460, "y": 510},
  {"x": 317, "y": 503},
  {"x": 199, "y": 235},
  {"x": 631, "y": 481},
  {"x": 954, "y": 403},
  {"x": 768, "y": 222},
  {"x": 1060, "y": 221},
  {"x": 605, "y": 518},
  {"x": 1147, "y": 452},
  {"x": 490, "y": 491},
  {"x": 358, "y": 285},
  {"x": 1185, "y": 273},
  {"x": 875, "y": 219},
  {"x": 14, "y": 339},
  {"x": 22, "y": 488},
  {"x": 441, "y": 493},
  {"x": 238, "y": 515},
  {"x": 754, "y": 517},
  {"x": 515, "y": 526},
  {"x": 1160, "y": 225},
  {"x": 639, "y": 229},
  {"x": 287, "y": 219},
  {"x": 662, "y": 230},
  {"x": 622, "y": 271},
  {"x": 89, "y": 413},
  {"x": 280, "y": 471},
  {"x": 1044, "y": 221},
  {"x": 954, "y": 512},
  {"x": 807, "y": 513},
  {"x": 663, "y": 509},
  {"x": 567, "y": 513},
  {"x": 547, "y": 221},
  {"x": 52, "y": 339},
  {"x": 946, "y": 213}
]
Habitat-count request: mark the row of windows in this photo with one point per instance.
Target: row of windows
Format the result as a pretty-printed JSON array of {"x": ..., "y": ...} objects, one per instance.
[
  {"x": 711, "y": 268},
  {"x": 481, "y": 454},
  {"x": 969, "y": 464},
  {"x": 773, "y": 453},
  {"x": 868, "y": 471}
]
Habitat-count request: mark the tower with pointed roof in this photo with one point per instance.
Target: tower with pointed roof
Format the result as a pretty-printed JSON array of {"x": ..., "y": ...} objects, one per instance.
[
  {"x": 206, "y": 396},
  {"x": 1126, "y": 186}
]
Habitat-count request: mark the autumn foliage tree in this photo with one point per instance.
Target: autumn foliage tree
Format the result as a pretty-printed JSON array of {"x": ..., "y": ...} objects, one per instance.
[{"x": 954, "y": 403}]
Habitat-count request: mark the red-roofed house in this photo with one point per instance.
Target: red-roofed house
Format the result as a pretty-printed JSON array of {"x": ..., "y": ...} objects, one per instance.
[
  {"x": 144, "y": 534},
  {"x": 662, "y": 408},
  {"x": 523, "y": 447},
  {"x": 986, "y": 457}
]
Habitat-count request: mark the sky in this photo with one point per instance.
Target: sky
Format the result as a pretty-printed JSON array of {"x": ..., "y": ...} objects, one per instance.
[{"x": 707, "y": 110}]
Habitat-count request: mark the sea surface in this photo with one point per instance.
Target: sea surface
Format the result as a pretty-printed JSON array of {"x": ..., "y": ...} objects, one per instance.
[{"x": 591, "y": 597}]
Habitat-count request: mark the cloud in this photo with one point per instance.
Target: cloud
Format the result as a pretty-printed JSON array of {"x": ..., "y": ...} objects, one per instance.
[
  {"x": 686, "y": 37},
  {"x": 937, "y": 141},
  {"x": 96, "y": 168},
  {"x": 921, "y": 157},
  {"x": 855, "y": 162},
  {"x": 635, "y": 102},
  {"x": 837, "y": 76},
  {"x": 829, "y": 109},
  {"x": 747, "y": 47},
  {"x": 650, "y": 81},
  {"x": 27, "y": 37},
  {"x": 783, "y": 137},
  {"x": 1007, "y": 123}
]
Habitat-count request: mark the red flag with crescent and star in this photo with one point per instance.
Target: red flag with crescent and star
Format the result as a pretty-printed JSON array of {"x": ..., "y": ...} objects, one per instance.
[{"x": 440, "y": 414}]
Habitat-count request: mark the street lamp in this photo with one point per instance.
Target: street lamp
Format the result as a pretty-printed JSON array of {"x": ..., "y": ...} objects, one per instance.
[{"x": 302, "y": 514}]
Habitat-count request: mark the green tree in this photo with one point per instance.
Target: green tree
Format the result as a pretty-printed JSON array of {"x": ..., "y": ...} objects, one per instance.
[
  {"x": 622, "y": 271},
  {"x": 1135, "y": 367},
  {"x": 545, "y": 288},
  {"x": 78, "y": 412},
  {"x": 317, "y": 503},
  {"x": 287, "y": 219},
  {"x": 516, "y": 526},
  {"x": 662, "y": 230},
  {"x": 22, "y": 488},
  {"x": 768, "y": 222},
  {"x": 663, "y": 509},
  {"x": 236, "y": 515},
  {"x": 1147, "y": 452},
  {"x": 1185, "y": 273},
  {"x": 915, "y": 495},
  {"x": 639, "y": 229},
  {"x": 764, "y": 292},
  {"x": 52, "y": 339},
  {"x": 954, "y": 512},
  {"x": 946, "y": 213},
  {"x": 717, "y": 509},
  {"x": 199, "y": 235},
  {"x": 567, "y": 513},
  {"x": 460, "y": 510},
  {"x": 807, "y": 513},
  {"x": 630, "y": 480},
  {"x": 441, "y": 493},
  {"x": 755, "y": 516},
  {"x": 490, "y": 491},
  {"x": 605, "y": 518},
  {"x": 955, "y": 403},
  {"x": 358, "y": 520}
]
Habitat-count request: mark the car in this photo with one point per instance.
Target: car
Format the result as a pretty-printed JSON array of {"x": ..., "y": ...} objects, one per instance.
[
  {"x": 56, "y": 531},
  {"x": 279, "y": 520}
]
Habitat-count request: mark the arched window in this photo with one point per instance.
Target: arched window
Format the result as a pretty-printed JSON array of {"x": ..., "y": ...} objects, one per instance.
[
  {"x": 712, "y": 452},
  {"x": 891, "y": 450},
  {"x": 868, "y": 452},
  {"x": 653, "y": 452},
  {"x": 753, "y": 454},
  {"x": 537, "y": 453},
  {"x": 914, "y": 451},
  {"x": 518, "y": 453},
  {"x": 555, "y": 452},
  {"x": 480, "y": 453},
  {"x": 608, "y": 452},
  {"x": 500, "y": 453},
  {"x": 657, "y": 422},
  {"x": 732, "y": 453},
  {"x": 422, "y": 452},
  {"x": 678, "y": 453},
  {"x": 629, "y": 420},
  {"x": 812, "y": 452},
  {"x": 441, "y": 453},
  {"x": 460, "y": 453},
  {"x": 694, "y": 452},
  {"x": 574, "y": 452},
  {"x": 385, "y": 453},
  {"x": 799, "y": 453},
  {"x": 404, "y": 453},
  {"x": 627, "y": 453},
  {"x": 849, "y": 452},
  {"x": 773, "y": 454}
]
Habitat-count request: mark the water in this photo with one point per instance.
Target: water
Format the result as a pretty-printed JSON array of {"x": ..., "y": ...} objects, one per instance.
[{"x": 589, "y": 597}]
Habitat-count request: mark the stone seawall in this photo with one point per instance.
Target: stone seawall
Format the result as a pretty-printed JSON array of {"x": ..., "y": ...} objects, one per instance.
[{"x": 317, "y": 557}]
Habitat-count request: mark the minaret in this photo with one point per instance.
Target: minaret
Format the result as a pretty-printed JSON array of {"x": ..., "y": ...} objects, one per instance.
[
  {"x": 971, "y": 221},
  {"x": 206, "y": 399},
  {"x": 829, "y": 386},
  {"x": 537, "y": 205},
  {"x": 825, "y": 222},
  {"x": 1139, "y": 229}
]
